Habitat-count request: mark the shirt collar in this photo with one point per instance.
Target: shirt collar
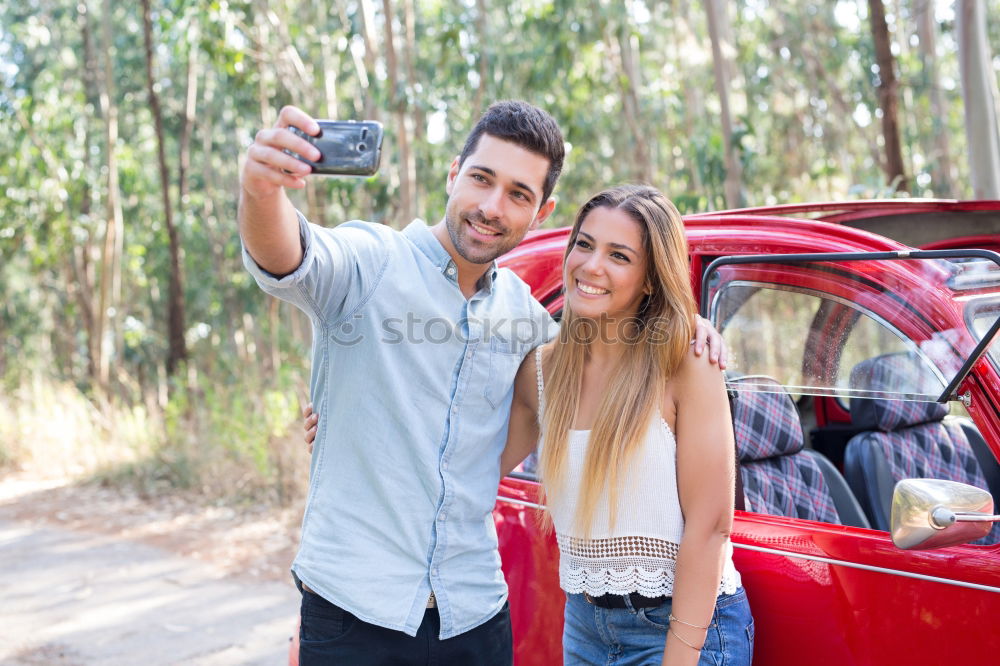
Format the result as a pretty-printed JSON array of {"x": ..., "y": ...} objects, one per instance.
[{"x": 418, "y": 233}]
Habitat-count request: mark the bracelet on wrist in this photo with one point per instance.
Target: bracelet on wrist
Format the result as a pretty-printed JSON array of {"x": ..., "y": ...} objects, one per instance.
[
  {"x": 672, "y": 618},
  {"x": 678, "y": 637}
]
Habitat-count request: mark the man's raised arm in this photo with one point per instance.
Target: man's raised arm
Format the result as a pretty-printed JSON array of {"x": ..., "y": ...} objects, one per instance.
[{"x": 267, "y": 220}]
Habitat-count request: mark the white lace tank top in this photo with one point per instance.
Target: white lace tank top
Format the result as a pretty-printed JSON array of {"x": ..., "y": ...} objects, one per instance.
[{"x": 640, "y": 553}]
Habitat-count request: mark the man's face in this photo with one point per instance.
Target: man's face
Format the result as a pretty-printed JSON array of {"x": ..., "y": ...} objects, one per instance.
[{"x": 495, "y": 199}]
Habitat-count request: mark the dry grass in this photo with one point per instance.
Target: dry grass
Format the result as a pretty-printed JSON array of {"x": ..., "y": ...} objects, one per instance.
[
  {"x": 52, "y": 430},
  {"x": 224, "y": 444}
]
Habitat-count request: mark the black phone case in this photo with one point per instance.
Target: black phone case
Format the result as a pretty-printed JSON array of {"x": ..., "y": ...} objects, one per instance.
[{"x": 347, "y": 147}]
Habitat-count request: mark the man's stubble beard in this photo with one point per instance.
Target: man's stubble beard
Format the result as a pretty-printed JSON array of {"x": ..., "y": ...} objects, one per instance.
[{"x": 457, "y": 231}]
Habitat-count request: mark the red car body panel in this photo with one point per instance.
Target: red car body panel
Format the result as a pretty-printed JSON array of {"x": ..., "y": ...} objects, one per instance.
[{"x": 822, "y": 594}]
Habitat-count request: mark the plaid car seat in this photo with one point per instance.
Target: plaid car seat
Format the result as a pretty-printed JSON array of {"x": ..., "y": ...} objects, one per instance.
[
  {"x": 903, "y": 440},
  {"x": 780, "y": 477}
]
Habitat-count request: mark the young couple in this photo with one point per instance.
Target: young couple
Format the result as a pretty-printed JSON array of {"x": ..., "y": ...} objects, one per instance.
[{"x": 398, "y": 561}]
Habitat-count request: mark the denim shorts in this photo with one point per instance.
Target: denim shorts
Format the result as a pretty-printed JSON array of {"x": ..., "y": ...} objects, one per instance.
[{"x": 636, "y": 637}]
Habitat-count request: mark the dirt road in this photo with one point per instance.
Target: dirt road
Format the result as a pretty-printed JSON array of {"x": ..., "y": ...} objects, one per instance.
[{"x": 74, "y": 597}]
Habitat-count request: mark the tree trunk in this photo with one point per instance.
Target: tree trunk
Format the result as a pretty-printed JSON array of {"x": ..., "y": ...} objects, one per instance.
[
  {"x": 694, "y": 107},
  {"x": 190, "y": 106},
  {"x": 359, "y": 65},
  {"x": 110, "y": 289},
  {"x": 979, "y": 92},
  {"x": 620, "y": 45},
  {"x": 888, "y": 96},
  {"x": 267, "y": 114},
  {"x": 418, "y": 120},
  {"x": 409, "y": 53},
  {"x": 328, "y": 70},
  {"x": 365, "y": 73},
  {"x": 939, "y": 156},
  {"x": 218, "y": 239},
  {"x": 903, "y": 31},
  {"x": 484, "y": 60},
  {"x": 734, "y": 168},
  {"x": 87, "y": 294},
  {"x": 176, "y": 349},
  {"x": 398, "y": 102}
]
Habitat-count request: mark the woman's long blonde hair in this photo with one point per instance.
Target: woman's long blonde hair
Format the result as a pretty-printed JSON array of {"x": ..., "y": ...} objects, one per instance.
[{"x": 658, "y": 339}]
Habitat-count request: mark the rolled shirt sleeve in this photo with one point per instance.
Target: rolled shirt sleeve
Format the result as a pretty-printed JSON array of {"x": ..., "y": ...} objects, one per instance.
[{"x": 340, "y": 268}]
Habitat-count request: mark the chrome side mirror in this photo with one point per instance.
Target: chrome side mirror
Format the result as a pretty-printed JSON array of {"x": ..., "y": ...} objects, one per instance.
[{"x": 932, "y": 513}]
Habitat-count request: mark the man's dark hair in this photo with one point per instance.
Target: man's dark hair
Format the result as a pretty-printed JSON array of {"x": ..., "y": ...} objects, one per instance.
[{"x": 524, "y": 125}]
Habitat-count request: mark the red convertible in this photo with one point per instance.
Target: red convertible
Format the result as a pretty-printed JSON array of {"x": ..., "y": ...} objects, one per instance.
[{"x": 881, "y": 363}]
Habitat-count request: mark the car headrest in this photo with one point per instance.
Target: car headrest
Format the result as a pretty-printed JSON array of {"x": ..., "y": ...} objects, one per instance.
[
  {"x": 900, "y": 372},
  {"x": 765, "y": 424}
]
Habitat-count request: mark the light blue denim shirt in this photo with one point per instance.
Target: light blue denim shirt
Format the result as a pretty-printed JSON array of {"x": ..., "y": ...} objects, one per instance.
[{"x": 413, "y": 384}]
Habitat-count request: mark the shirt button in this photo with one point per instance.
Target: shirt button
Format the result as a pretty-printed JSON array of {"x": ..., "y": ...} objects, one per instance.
[
  {"x": 444, "y": 465},
  {"x": 442, "y": 516},
  {"x": 451, "y": 270}
]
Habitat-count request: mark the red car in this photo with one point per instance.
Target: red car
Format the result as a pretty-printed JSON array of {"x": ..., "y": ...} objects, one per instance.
[
  {"x": 859, "y": 342},
  {"x": 862, "y": 344}
]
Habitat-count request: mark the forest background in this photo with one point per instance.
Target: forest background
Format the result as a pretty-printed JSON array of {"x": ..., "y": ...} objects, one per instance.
[{"x": 134, "y": 347}]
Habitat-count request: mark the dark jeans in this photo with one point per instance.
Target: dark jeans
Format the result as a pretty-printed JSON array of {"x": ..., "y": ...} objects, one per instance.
[{"x": 330, "y": 635}]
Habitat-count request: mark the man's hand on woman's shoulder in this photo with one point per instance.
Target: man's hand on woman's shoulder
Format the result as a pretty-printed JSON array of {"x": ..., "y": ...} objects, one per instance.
[{"x": 706, "y": 335}]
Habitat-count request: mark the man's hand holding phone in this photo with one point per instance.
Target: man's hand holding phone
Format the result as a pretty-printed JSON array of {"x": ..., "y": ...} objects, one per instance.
[
  {"x": 282, "y": 156},
  {"x": 268, "y": 166},
  {"x": 298, "y": 145},
  {"x": 268, "y": 223}
]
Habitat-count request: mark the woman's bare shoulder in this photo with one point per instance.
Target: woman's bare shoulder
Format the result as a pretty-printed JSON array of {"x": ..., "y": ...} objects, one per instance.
[{"x": 696, "y": 375}]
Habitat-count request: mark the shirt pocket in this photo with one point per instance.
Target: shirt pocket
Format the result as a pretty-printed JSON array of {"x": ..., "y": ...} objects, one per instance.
[{"x": 505, "y": 359}]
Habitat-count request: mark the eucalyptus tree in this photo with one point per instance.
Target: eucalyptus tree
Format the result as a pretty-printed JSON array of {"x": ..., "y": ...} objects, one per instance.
[
  {"x": 888, "y": 96},
  {"x": 979, "y": 90}
]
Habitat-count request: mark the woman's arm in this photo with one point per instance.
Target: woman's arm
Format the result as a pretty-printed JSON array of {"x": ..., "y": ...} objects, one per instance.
[
  {"x": 705, "y": 473},
  {"x": 522, "y": 433}
]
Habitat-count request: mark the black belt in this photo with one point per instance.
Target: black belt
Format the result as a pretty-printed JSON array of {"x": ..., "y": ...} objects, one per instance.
[{"x": 635, "y": 600}]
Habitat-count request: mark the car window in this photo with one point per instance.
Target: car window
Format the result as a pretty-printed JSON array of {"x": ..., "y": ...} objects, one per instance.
[
  {"x": 810, "y": 342},
  {"x": 766, "y": 330},
  {"x": 980, "y": 315},
  {"x": 866, "y": 336}
]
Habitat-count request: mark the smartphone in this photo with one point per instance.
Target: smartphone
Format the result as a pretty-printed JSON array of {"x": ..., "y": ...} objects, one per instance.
[{"x": 347, "y": 147}]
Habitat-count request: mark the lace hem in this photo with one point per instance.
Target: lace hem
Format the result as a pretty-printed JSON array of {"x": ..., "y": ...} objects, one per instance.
[{"x": 627, "y": 575}]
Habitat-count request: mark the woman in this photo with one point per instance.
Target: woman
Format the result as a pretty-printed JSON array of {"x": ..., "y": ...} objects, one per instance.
[{"x": 636, "y": 451}]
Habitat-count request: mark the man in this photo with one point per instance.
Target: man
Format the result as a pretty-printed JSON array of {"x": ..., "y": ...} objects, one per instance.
[{"x": 417, "y": 338}]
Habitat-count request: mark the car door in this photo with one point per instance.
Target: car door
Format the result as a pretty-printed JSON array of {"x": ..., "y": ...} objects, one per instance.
[{"x": 825, "y": 593}]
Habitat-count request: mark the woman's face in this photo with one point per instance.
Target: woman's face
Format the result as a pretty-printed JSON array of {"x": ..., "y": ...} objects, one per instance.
[{"x": 606, "y": 268}]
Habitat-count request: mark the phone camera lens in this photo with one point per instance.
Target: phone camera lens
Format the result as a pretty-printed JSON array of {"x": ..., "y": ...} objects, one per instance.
[{"x": 361, "y": 146}]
